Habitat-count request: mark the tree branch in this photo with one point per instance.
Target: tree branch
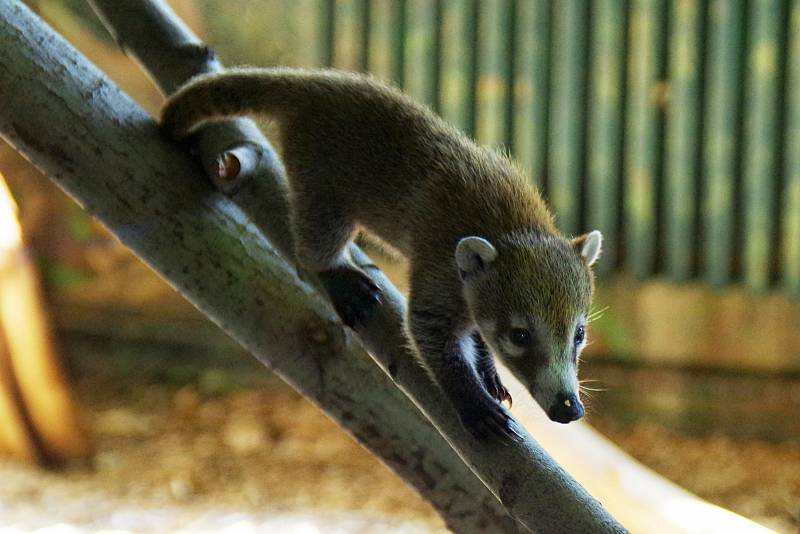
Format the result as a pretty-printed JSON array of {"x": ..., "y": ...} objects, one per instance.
[{"x": 108, "y": 154}]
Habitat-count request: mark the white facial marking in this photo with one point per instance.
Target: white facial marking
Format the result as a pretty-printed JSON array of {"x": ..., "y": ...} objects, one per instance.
[
  {"x": 511, "y": 349},
  {"x": 559, "y": 377},
  {"x": 518, "y": 321},
  {"x": 488, "y": 327}
]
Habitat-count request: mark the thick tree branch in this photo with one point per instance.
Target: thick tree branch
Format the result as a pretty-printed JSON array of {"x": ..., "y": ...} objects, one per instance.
[{"x": 207, "y": 248}]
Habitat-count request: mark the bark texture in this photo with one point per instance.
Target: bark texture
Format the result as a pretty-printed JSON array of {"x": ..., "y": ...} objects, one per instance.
[{"x": 84, "y": 133}]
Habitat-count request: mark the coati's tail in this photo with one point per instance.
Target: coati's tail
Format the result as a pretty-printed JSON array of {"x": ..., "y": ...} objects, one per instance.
[{"x": 246, "y": 91}]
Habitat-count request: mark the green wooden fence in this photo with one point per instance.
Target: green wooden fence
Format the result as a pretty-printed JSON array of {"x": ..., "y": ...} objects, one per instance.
[{"x": 671, "y": 125}]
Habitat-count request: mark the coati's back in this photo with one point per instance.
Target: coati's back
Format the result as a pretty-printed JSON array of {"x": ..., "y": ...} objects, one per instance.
[
  {"x": 351, "y": 121},
  {"x": 395, "y": 165}
]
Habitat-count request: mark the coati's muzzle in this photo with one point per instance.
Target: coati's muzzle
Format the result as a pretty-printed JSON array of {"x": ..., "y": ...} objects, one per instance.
[{"x": 566, "y": 409}]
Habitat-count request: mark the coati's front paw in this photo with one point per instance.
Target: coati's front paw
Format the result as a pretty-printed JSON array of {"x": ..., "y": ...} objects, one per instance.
[
  {"x": 485, "y": 417},
  {"x": 495, "y": 387},
  {"x": 353, "y": 294}
]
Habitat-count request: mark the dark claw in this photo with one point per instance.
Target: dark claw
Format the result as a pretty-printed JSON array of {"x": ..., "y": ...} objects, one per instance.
[
  {"x": 486, "y": 418},
  {"x": 496, "y": 388},
  {"x": 353, "y": 294}
]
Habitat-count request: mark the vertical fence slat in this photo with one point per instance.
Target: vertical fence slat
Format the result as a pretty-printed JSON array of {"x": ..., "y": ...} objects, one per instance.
[
  {"x": 491, "y": 87},
  {"x": 380, "y": 57},
  {"x": 472, "y": 20},
  {"x": 681, "y": 164},
  {"x": 721, "y": 137},
  {"x": 308, "y": 33},
  {"x": 347, "y": 38},
  {"x": 510, "y": 61},
  {"x": 435, "y": 59},
  {"x": 566, "y": 128},
  {"x": 531, "y": 87},
  {"x": 791, "y": 195},
  {"x": 365, "y": 27},
  {"x": 399, "y": 30},
  {"x": 646, "y": 28},
  {"x": 453, "y": 62},
  {"x": 605, "y": 125},
  {"x": 760, "y": 163},
  {"x": 327, "y": 34},
  {"x": 420, "y": 50}
]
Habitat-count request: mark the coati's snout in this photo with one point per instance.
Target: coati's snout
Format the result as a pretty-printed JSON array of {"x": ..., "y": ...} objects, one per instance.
[{"x": 566, "y": 409}]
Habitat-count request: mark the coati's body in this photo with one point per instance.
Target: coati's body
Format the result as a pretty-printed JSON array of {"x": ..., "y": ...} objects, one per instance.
[{"x": 361, "y": 155}]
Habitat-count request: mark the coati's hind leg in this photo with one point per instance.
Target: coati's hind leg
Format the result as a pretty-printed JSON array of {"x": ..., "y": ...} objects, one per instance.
[
  {"x": 323, "y": 232},
  {"x": 484, "y": 363}
]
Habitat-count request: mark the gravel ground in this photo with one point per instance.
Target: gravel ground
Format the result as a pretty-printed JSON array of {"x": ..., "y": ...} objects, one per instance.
[
  {"x": 212, "y": 455},
  {"x": 180, "y": 459}
]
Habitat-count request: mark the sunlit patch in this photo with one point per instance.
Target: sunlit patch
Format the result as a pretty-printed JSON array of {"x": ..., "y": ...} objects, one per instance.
[
  {"x": 171, "y": 519},
  {"x": 10, "y": 232}
]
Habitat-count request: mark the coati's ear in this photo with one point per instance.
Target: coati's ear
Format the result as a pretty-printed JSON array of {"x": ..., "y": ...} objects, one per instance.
[
  {"x": 473, "y": 254},
  {"x": 589, "y": 246}
]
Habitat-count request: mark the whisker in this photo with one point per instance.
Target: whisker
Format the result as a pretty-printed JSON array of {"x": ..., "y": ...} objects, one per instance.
[
  {"x": 596, "y": 314},
  {"x": 583, "y": 387},
  {"x": 598, "y": 310}
]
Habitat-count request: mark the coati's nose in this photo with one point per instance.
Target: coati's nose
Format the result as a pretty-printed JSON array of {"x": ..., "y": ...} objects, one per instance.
[{"x": 567, "y": 408}]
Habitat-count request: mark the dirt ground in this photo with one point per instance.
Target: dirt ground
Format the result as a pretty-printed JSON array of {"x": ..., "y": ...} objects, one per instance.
[
  {"x": 172, "y": 458},
  {"x": 210, "y": 454}
]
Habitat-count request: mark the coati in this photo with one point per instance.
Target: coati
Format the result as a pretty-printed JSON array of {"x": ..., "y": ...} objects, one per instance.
[{"x": 489, "y": 271}]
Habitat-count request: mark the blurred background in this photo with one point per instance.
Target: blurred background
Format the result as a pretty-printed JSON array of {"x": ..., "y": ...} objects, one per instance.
[{"x": 671, "y": 126}]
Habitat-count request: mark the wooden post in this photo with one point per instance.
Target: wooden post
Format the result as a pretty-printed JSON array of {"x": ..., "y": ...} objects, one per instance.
[
  {"x": 33, "y": 388},
  {"x": 16, "y": 438}
]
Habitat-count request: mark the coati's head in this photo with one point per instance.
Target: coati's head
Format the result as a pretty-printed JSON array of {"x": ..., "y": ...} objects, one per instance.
[{"x": 530, "y": 296}]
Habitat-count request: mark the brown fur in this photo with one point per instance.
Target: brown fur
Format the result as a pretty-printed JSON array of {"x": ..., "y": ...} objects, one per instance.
[{"x": 361, "y": 155}]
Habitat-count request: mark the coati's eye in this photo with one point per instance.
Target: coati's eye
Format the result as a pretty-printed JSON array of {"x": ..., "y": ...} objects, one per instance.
[
  {"x": 520, "y": 337},
  {"x": 580, "y": 335}
]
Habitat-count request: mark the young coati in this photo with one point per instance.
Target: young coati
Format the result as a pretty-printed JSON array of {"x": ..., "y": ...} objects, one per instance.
[{"x": 488, "y": 268}]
